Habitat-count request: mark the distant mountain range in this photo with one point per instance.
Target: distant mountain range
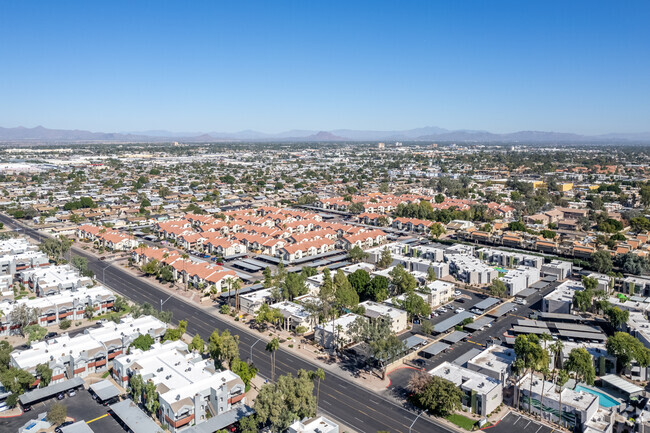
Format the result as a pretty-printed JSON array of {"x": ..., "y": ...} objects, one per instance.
[{"x": 45, "y": 135}]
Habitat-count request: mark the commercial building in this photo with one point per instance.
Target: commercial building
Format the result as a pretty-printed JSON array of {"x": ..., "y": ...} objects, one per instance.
[
  {"x": 252, "y": 301},
  {"x": 11, "y": 263},
  {"x": 482, "y": 393}
]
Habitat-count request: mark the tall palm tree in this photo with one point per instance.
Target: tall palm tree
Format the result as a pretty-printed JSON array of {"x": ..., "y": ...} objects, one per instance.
[
  {"x": 562, "y": 378},
  {"x": 184, "y": 256},
  {"x": 271, "y": 347},
  {"x": 236, "y": 285},
  {"x": 320, "y": 375},
  {"x": 142, "y": 246}
]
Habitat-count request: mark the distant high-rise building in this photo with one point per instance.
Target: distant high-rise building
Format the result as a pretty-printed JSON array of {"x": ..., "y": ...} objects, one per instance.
[
  {"x": 381, "y": 145},
  {"x": 434, "y": 145}
]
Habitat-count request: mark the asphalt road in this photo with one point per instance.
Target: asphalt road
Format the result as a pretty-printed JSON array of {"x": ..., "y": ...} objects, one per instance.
[{"x": 342, "y": 399}]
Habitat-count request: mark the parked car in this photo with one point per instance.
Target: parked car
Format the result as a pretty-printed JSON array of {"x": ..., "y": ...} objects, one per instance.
[
  {"x": 457, "y": 293},
  {"x": 72, "y": 393},
  {"x": 459, "y": 310},
  {"x": 58, "y": 429},
  {"x": 61, "y": 396},
  {"x": 101, "y": 321},
  {"x": 51, "y": 335}
]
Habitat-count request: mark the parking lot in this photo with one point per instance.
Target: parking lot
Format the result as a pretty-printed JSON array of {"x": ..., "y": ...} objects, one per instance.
[
  {"x": 80, "y": 407},
  {"x": 516, "y": 422}
]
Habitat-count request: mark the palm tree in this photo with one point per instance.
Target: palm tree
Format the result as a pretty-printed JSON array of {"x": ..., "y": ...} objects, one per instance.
[
  {"x": 320, "y": 375},
  {"x": 184, "y": 256},
  {"x": 271, "y": 347},
  {"x": 562, "y": 378},
  {"x": 142, "y": 246},
  {"x": 236, "y": 285},
  {"x": 545, "y": 373}
]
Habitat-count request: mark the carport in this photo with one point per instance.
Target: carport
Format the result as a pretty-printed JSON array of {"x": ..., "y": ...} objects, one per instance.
[
  {"x": 455, "y": 337},
  {"x": 414, "y": 341},
  {"x": 478, "y": 324},
  {"x": 41, "y": 394},
  {"x": 486, "y": 304},
  {"x": 452, "y": 321},
  {"x": 502, "y": 310},
  {"x": 104, "y": 390},
  {"x": 434, "y": 349},
  {"x": 129, "y": 415},
  {"x": 465, "y": 357},
  {"x": 78, "y": 427}
]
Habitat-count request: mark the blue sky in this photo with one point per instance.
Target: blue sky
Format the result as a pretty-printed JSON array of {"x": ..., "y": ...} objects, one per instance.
[{"x": 502, "y": 66}]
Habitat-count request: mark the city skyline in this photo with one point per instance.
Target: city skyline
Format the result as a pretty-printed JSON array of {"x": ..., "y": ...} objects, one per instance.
[{"x": 504, "y": 67}]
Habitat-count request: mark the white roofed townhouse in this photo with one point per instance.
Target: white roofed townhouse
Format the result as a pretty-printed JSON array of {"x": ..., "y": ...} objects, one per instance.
[
  {"x": 190, "y": 389},
  {"x": 52, "y": 309},
  {"x": 482, "y": 393},
  {"x": 295, "y": 316},
  {"x": 332, "y": 334},
  {"x": 11, "y": 263},
  {"x": 252, "y": 301},
  {"x": 49, "y": 280},
  {"x": 90, "y": 352},
  {"x": 375, "y": 311}
]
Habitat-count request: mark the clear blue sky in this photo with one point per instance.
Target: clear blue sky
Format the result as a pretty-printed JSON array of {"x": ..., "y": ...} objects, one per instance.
[{"x": 574, "y": 66}]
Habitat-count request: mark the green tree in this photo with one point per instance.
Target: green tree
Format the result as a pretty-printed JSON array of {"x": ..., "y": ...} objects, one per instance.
[
  {"x": 35, "y": 332},
  {"x": 437, "y": 230},
  {"x": 246, "y": 371},
  {"x": 279, "y": 404},
  {"x": 431, "y": 274},
  {"x": 626, "y": 349},
  {"x": 414, "y": 305},
  {"x": 601, "y": 261},
  {"x": 57, "y": 414},
  {"x": 384, "y": 345},
  {"x": 356, "y": 254},
  {"x": 271, "y": 347},
  {"x": 345, "y": 295},
  {"x": 45, "y": 373},
  {"x": 136, "y": 388},
  {"x": 617, "y": 317},
  {"x": 151, "y": 267},
  {"x": 224, "y": 347},
  {"x": 360, "y": 282},
  {"x": 385, "y": 259},
  {"x": 143, "y": 342},
  {"x": 581, "y": 363},
  {"x": 402, "y": 280},
  {"x": 498, "y": 288},
  {"x": 378, "y": 288},
  {"x": 439, "y": 396},
  {"x": 151, "y": 402},
  {"x": 197, "y": 344}
]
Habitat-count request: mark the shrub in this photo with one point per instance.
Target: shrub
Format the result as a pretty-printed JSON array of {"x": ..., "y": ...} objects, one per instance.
[
  {"x": 291, "y": 346},
  {"x": 65, "y": 324}
]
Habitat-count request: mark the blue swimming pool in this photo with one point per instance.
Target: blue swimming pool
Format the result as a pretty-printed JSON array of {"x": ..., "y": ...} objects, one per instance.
[{"x": 603, "y": 399}]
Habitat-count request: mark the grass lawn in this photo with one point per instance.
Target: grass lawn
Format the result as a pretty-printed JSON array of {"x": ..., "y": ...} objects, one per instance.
[{"x": 461, "y": 421}]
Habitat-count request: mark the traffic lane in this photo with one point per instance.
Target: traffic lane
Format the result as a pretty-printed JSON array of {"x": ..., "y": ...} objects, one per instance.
[{"x": 349, "y": 403}]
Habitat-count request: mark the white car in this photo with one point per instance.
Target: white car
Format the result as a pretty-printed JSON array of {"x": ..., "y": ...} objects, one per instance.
[
  {"x": 459, "y": 310},
  {"x": 457, "y": 293}
]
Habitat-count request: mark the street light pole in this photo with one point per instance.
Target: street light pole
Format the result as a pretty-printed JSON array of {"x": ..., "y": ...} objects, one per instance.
[
  {"x": 416, "y": 418},
  {"x": 162, "y": 302},
  {"x": 104, "y": 273},
  {"x": 251, "y": 357}
]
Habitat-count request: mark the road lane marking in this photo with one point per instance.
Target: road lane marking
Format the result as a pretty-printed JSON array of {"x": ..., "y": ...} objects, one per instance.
[{"x": 98, "y": 418}]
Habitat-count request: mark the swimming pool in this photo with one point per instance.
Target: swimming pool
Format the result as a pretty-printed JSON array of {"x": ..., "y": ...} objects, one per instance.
[{"x": 603, "y": 399}]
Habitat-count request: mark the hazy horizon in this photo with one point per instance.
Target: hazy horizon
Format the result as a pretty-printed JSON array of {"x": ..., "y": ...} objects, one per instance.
[{"x": 504, "y": 66}]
